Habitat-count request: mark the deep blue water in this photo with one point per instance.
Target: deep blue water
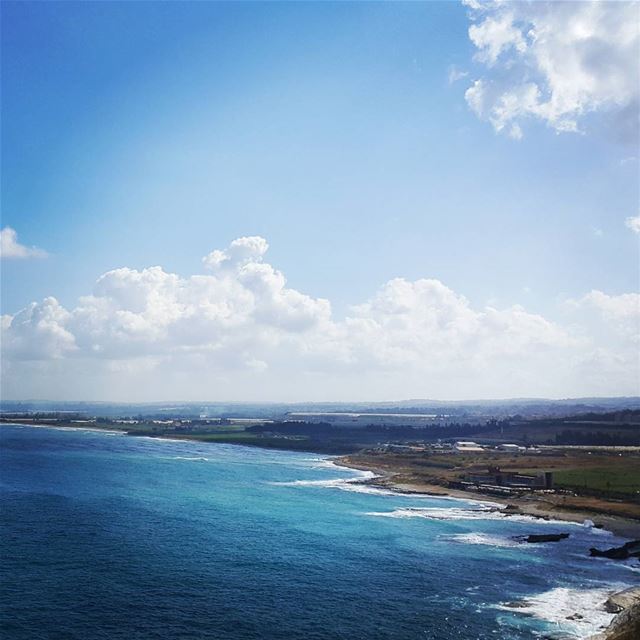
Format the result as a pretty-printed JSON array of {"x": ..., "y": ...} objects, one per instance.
[{"x": 109, "y": 536}]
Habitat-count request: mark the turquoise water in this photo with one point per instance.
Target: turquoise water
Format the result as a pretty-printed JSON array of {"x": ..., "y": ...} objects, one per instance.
[{"x": 110, "y": 536}]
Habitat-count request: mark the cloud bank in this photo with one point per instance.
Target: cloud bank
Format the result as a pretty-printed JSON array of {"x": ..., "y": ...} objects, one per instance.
[
  {"x": 237, "y": 331},
  {"x": 556, "y": 62},
  {"x": 11, "y": 248}
]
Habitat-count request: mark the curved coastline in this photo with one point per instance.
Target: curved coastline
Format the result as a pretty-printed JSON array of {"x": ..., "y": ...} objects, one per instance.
[
  {"x": 384, "y": 481},
  {"x": 623, "y": 605},
  {"x": 531, "y": 505}
]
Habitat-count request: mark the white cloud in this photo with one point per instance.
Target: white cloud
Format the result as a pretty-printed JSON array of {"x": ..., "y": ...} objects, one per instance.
[
  {"x": 38, "y": 332},
  {"x": 427, "y": 326},
  {"x": 240, "y": 252},
  {"x": 240, "y": 332},
  {"x": 633, "y": 223},
  {"x": 556, "y": 62},
  {"x": 496, "y": 34},
  {"x": 621, "y": 313},
  {"x": 454, "y": 74},
  {"x": 11, "y": 248}
]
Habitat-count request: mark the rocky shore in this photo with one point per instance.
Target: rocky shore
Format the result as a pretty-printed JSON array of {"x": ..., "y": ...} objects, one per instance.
[
  {"x": 626, "y": 624},
  {"x": 625, "y": 604},
  {"x": 537, "y": 505}
]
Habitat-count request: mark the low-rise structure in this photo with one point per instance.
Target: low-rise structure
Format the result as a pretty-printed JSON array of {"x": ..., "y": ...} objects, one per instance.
[
  {"x": 511, "y": 448},
  {"x": 495, "y": 477},
  {"x": 464, "y": 446}
]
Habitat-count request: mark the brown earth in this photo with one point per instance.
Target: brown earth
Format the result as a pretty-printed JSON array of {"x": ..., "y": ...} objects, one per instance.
[{"x": 431, "y": 474}]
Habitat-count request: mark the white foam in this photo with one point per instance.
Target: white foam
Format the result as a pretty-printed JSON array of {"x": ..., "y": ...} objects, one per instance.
[
  {"x": 438, "y": 513},
  {"x": 357, "y": 486},
  {"x": 483, "y": 539},
  {"x": 600, "y": 532},
  {"x": 345, "y": 484},
  {"x": 322, "y": 463},
  {"x": 632, "y": 565},
  {"x": 106, "y": 432},
  {"x": 484, "y": 512},
  {"x": 164, "y": 440},
  {"x": 558, "y": 604},
  {"x": 196, "y": 458}
]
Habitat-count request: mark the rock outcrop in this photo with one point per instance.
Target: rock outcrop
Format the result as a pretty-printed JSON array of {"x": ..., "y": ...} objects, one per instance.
[
  {"x": 626, "y": 625},
  {"x": 627, "y": 550},
  {"x": 543, "y": 537}
]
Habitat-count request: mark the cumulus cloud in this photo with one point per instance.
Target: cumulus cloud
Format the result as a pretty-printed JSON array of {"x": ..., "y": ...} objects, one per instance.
[
  {"x": 240, "y": 330},
  {"x": 428, "y": 327},
  {"x": 11, "y": 248},
  {"x": 620, "y": 313},
  {"x": 245, "y": 301},
  {"x": 240, "y": 252},
  {"x": 556, "y": 62},
  {"x": 633, "y": 223},
  {"x": 38, "y": 332}
]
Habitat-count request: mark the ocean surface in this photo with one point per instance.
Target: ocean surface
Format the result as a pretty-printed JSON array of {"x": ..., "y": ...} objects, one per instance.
[{"x": 109, "y": 536}]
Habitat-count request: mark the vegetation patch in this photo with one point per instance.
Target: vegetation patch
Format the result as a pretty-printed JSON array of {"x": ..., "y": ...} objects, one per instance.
[{"x": 613, "y": 479}]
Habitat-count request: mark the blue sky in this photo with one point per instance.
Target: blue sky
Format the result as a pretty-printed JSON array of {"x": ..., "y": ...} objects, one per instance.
[{"x": 140, "y": 134}]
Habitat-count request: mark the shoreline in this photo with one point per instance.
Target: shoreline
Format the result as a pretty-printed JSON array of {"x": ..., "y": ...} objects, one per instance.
[
  {"x": 625, "y": 619},
  {"x": 625, "y": 624},
  {"x": 532, "y": 505}
]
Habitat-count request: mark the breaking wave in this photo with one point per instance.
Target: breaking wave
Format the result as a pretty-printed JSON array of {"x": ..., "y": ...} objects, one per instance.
[
  {"x": 577, "y": 612},
  {"x": 481, "y": 512},
  {"x": 322, "y": 463},
  {"x": 482, "y": 538},
  {"x": 356, "y": 484},
  {"x": 51, "y": 427},
  {"x": 439, "y": 513}
]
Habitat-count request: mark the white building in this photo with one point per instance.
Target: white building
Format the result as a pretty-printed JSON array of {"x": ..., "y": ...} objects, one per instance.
[
  {"x": 511, "y": 448},
  {"x": 467, "y": 447}
]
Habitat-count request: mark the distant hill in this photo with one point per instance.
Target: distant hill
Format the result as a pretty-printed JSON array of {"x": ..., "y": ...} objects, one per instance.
[{"x": 468, "y": 411}]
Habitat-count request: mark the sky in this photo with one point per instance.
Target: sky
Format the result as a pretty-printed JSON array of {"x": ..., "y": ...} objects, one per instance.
[{"x": 319, "y": 201}]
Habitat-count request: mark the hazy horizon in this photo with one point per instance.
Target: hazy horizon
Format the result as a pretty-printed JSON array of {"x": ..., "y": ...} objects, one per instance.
[{"x": 323, "y": 402}]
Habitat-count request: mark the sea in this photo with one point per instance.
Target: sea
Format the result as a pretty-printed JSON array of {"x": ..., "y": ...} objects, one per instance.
[{"x": 108, "y": 536}]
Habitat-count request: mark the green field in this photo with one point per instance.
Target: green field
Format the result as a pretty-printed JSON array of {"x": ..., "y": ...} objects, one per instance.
[{"x": 623, "y": 479}]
